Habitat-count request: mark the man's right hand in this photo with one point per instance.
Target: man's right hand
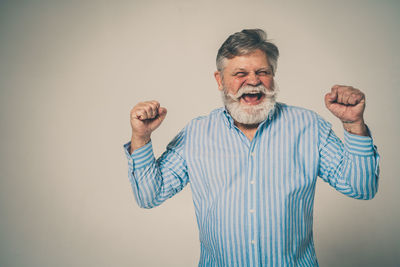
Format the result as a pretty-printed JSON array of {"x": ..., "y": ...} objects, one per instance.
[{"x": 145, "y": 118}]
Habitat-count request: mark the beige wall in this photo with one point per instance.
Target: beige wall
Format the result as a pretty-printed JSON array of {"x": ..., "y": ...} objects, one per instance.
[{"x": 71, "y": 71}]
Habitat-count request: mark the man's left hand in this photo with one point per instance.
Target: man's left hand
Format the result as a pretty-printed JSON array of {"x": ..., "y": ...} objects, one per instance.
[{"x": 348, "y": 104}]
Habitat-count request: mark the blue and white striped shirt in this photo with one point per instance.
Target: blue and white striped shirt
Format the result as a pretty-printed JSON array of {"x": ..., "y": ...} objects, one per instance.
[{"x": 254, "y": 199}]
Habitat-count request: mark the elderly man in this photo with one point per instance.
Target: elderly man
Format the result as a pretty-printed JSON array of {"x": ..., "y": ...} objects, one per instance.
[{"x": 253, "y": 164}]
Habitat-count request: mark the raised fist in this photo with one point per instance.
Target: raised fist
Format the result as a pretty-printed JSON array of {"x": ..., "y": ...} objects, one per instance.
[
  {"x": 346, "y": 103},
  {"x": 145, "y": 118}
]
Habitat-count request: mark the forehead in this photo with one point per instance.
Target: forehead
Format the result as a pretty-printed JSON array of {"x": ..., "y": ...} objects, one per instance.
[{"x": 255, "y": 59}]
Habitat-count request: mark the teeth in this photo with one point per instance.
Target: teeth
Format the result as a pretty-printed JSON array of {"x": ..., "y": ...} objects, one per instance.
[
  {"x": 259, "y": 94},
  {"x": 252, "y": 93}
]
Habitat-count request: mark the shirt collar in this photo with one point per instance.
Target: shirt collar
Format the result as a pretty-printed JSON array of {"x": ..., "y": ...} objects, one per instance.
[{"x": 228, "y": 118}]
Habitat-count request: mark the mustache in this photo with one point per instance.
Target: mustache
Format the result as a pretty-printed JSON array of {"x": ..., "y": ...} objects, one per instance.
[{"x": 248, "y": 89}]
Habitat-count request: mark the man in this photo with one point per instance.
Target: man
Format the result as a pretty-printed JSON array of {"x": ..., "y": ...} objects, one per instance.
[{"x": 253, "y": 164}]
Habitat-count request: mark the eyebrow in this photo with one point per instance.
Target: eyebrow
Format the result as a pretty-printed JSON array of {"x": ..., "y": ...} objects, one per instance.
[{"x": 260, "y": 69}]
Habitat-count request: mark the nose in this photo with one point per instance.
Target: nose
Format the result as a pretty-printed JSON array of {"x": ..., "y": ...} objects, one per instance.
[{"x": 252, "y": 79}]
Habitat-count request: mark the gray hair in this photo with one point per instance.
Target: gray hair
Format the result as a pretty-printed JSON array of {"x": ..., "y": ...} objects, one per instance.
[{"x": 245, "y": 42}]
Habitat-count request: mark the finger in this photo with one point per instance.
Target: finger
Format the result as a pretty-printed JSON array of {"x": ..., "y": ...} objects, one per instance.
[
  {"x": 336, "y": 87},
  {"x": 344, "y": 93},
  {"x": 162, "y": 112},
  {"x": 340, "y": 95},
  {"x": 332, "y": 96},
  {"x": 145, "y": 110},
  {"x": 356, "y": 98},
  {"x": 135, "y": 112},
  {"x": 140, "y": 115},
  {"x": 353, "y": 100},
  {"x": 345, "y": 97},
  {"x": 155, "y": 103},
  {"x": 150, "y": 110},
  {"x": 142, "y": 112},
  {"x": 156, "y": 106}
]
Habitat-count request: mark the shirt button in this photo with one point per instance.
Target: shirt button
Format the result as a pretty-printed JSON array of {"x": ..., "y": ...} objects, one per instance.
[
  {"x": 252, "y": 182},
  {"x": 252, "y": 154},
  {"x": 252, "y": 211},
  {"x": 253, "y": 242}
]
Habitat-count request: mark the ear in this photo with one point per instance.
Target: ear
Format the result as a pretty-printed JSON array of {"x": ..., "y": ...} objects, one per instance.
[{"x": 218, "y": 78}]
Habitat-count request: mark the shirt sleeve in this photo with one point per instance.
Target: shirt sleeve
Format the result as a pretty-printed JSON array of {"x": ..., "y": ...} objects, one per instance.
[
  {"x": 154, "y": 181},
  {"x": 351, "y": 168}
]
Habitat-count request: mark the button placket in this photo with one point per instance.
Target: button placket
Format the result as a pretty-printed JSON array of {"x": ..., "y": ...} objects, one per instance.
[{"x": 252, "y": 202}]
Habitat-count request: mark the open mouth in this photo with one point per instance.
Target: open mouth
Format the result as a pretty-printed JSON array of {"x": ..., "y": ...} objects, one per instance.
[{"x": 252, "y": 98}]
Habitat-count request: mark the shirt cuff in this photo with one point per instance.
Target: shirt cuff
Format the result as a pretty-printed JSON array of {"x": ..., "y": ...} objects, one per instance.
[
  {"x": 358, "y": 145},
  {"x": 140, "y": 157}
]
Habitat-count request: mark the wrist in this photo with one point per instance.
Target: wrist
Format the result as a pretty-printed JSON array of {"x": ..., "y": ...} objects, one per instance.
[
  {"x": 356, "y": 127},
  {"x": 138, "y": 142}
]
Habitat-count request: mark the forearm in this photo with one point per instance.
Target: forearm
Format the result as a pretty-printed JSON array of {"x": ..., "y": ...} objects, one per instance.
[
  {"x": 147, "y": 186},
  {"x": 359, "y": 178},
  {"x": 352, "y": 167},
  {"x": 153, "y": 181},
  {"x": 362, "y": 171}
]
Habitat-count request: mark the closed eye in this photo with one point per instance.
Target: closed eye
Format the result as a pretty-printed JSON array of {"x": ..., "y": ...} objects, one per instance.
[
  {"x": 264, "y": 72},
  {"x": 240, "y": 74}
]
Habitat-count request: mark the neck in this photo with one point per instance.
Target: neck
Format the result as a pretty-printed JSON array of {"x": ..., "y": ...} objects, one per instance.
[{"x": 249, "y": 130}]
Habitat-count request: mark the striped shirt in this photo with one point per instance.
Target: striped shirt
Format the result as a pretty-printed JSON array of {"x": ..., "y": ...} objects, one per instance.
[{"x": 254, "y": 199}]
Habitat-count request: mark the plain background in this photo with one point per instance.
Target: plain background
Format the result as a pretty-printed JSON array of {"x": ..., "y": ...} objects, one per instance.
[{"x": 70, "y": 71}]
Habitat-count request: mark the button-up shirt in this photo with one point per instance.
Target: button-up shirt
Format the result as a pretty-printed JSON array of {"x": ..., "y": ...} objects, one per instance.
[{"x": 254, "y": 199}]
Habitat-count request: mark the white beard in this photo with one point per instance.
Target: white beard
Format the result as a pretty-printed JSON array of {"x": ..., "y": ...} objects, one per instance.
[{"x": 249, "y": 114}]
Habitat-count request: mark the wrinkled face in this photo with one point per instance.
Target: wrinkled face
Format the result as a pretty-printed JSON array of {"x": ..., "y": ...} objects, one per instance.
[
  {"x": 251, "y": 69},
  {"x": 247, "y": 85}
]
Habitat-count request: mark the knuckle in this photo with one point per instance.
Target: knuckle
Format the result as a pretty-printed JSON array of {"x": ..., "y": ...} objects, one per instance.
[
  {"x": 155, "y": 108},
  {"x": 138, "y": 106},
  {"x": 134, "y": 110},
  {"x": 152, "y": 106}
]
